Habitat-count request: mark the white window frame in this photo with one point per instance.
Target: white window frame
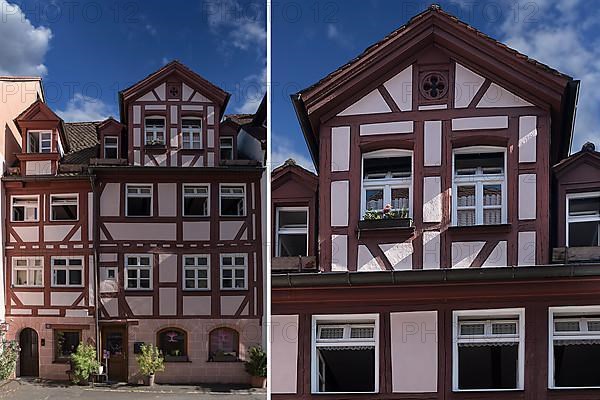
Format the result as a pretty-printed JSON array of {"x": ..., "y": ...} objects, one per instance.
[
  {"x": 577, "y": 312},
  {"x": 138, "y": 267},
  {"x": 183, "y": 196},
  {"x": 342, "y": 320},
  {"x": 511, "y": 314},
  {"x": 228, "y": 146},
  {"x": 574, "y": 219},
  {"x": 478, "y": 181},
  {"x": 389, "y": 183},
  {"x": 40, "y": 141},
  {"x": 154, "y": 130},
  {"x": 151, "y": 195},
  {"x": 67, "y": 268},
  {"x": 29, "y": 268},
  {"x": 196, "y": 268},
  {"x": 190, "y": 133},
  {"x": 25, "y": 197},
  {"x": 52, "y": 196},
  {"x": 233, "y": 268},
  {"x": 243, "y": 196},
  {"x": 111, "y": 146},
  {"x": 290, "y": 231}
]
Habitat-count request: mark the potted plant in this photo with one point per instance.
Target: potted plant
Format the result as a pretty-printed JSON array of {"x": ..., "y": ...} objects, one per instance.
[
  {"x": 150, "y": 361},
  {"x": 84, "y": 363},
  {"x": 256, "y": 366},
  {"x": 9, "y": 352}
]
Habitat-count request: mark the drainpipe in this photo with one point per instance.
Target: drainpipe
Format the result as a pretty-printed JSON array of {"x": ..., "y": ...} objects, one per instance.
[{"x": 96, "y": 233}]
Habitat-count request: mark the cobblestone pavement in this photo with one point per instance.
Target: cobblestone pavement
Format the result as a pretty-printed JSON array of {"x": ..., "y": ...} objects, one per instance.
[{"x": 42, "y": 390}]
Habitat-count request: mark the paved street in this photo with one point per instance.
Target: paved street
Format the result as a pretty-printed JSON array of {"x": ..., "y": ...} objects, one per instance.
[{"x": 29, "y": 390}]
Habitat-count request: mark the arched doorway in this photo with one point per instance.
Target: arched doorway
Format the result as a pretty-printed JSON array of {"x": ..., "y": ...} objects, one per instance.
[{"x": 29, "y": 356}]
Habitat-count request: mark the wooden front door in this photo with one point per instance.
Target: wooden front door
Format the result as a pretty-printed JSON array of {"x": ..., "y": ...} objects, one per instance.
[
  {"x": 29, "y": 357},
  {"x": 114, "y": 344}
]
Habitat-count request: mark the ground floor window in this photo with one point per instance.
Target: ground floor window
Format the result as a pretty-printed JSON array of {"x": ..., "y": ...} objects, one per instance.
[
  {"x": 345, "y": 355},
  {"x": 65, "y": 343},
  {"x": 488, "y": 349},
  {"x": 223, "y": 345},
  {"x": 173, "y": 344},
  {"x": 574, "y": 347}
]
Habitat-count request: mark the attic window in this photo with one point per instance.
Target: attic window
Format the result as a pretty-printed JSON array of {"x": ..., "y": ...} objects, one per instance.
[
  {"x": 155, "y": 130},
  {"x": 39, "y": 142},
  {"x": 434, "y": 86},
  {"x": 111, "y": 147}
]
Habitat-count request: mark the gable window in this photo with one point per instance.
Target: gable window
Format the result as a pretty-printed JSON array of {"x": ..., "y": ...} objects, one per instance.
[
  {"x": 226, "y": 146},
  {"x": 233, "y": 200},
  {"x": 139, "y": 200},
  {"x": 28, "y": 271},
  {"x": 224, "y": 345},
  {"x": 66, "y": 342},
  {"x": 345, "y": 354},
  {"x": 234, "y": 271},
  {"x": 574, "y": 347},
  {"x": 489, "y": 349},
  {"x": 583, "y": 219},
  {"x": 479, "y": 186},
  {"x": 67, "y": 271},
  {"x": 172, "y": 342},
  {"x": 195, "y": 200},
  {"x": 24, "y": 208},
  {"x": 138, "y": 270},
  {"x": 191, "y": 132},
  {"x": 387, "y": 184},
  {"x": 154, "y": 128},
  {"x": 196, "y": 272},
  {"x": 39, "y": 141},
  {"x": 292, "y": 232},
  {"x": 111, "y": 147},
  {"x": 64, "y": 207}
]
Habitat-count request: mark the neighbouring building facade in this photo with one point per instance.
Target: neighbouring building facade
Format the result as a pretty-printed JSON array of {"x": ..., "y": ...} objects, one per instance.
[
  {"x": 456, "y": 241},
  {"x": 146, "y": 229}
]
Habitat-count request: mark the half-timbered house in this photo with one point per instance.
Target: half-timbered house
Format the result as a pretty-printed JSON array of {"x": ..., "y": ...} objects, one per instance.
[
  {"x": 146, "y": 229},
  {"x": 437, "y": 219}
]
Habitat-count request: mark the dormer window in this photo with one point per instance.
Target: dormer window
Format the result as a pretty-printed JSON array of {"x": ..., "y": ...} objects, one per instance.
[
  {"x": 154, "y": 129},
  {"x": 583, "y": 219},
  {"x": 111, "y": 147},
  {"x": 39, "y": 142},
  {"x": 226, "y": 145},
  {"x": 191, "y": 132},
  {"x": 387, "y": 180}
]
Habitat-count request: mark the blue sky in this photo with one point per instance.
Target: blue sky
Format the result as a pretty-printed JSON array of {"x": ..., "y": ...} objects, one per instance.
[
  {"x": 311, "y": 39},
  {"x": 88, "y": 50}
]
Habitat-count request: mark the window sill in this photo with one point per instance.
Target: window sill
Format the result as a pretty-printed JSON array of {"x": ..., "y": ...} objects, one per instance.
[
  {"x": 158, "y": 148},
  {"x": 382, "y": 224},
  {"x": 500, "y": 228}
]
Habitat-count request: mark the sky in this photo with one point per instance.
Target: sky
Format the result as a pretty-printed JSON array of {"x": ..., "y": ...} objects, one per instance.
[
  {"x": 87, "y": 50},
  {"x": 310, "y": 39}
]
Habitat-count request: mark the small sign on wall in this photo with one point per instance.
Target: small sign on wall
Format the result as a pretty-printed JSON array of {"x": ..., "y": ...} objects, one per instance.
[{"x": 137, "y": 347}]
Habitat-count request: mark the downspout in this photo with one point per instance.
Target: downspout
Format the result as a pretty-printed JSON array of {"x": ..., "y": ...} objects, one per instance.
[{"x": 96, "y": 233}]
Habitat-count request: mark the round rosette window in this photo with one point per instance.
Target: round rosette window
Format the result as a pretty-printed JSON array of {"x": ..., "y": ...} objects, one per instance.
[{"x": 434, "y": 86}]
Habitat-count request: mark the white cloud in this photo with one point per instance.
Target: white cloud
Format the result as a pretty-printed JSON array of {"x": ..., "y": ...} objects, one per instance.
[
  {"x": 335, "y": 34},
  {"x": 85, "y": 108},
  {"x": 557, "y": 37},
  {"x": 253, "y": 88},
  {"x": 282, "y": 150},
  {"x": 242, "y": 27},
  {"x": 23, "y": 46}
]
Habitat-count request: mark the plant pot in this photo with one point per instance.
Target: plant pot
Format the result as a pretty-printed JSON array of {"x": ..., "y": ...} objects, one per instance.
[
  {"x": 258, "y": 382},
  {"x": 150, "y": 380},
  {"x": 101, "y": 370}
]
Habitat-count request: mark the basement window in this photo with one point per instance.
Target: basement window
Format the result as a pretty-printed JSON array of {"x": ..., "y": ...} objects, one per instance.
[
  {"x": 583, "y": 220},
  {"x": 489, "y": 350},
  {"x": 574, "y": 347},
  {"x": 292, "y": 232},
  {"x": 64, "y": 207},
  {"x": 139, "y": 200},
  {"x": 345, "y": 358}
]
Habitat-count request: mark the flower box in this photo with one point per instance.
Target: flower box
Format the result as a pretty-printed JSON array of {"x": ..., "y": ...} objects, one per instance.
[
  {"x": 156, "y": 147},
  {"x": 388, "y": 223}
]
